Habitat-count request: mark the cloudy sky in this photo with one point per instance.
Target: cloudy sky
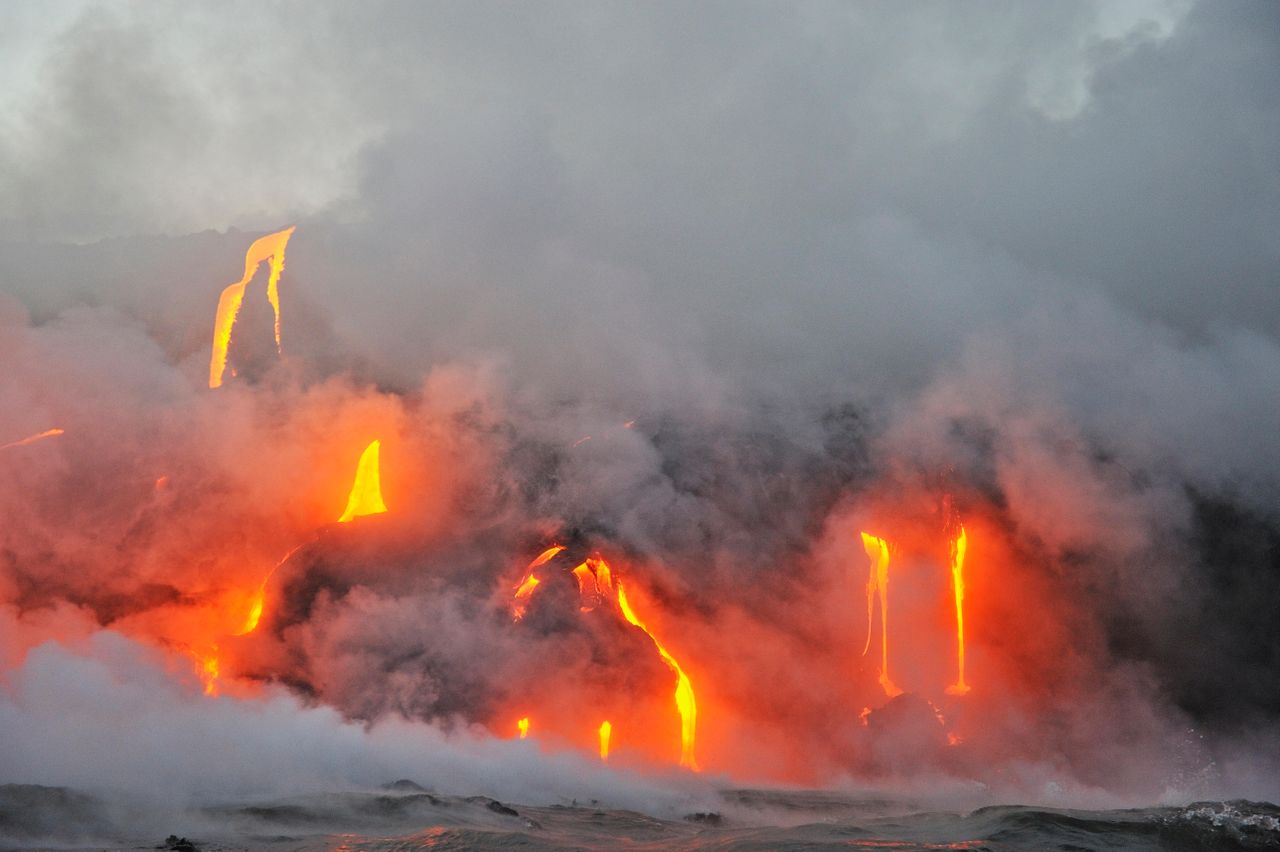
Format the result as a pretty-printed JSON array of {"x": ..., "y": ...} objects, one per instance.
[
  {"x": 888, "y": 161},
  {"x": 680, "y": 201}
]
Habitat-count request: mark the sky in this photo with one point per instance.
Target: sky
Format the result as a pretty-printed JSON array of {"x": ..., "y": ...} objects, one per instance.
[{"x": 794, "y": 162}]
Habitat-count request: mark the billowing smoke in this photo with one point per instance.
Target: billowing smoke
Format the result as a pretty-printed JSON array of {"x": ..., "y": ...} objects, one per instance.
[{"x": 704, "y": 292}]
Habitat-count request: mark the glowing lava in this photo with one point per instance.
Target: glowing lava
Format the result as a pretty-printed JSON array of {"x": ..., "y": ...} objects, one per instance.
[
  {"x": 270, "y": 247},
  {"x": 207, "y": 669},
  {"x": 259, "y": 598},
  {"x": 31, "y": 439},
  {"x": 366, "y": 490},
  {"x": 958, "y": 547},
  {"x": 255, "y": 611},
  {"x": 595, "y": 583},
  {"x": 878, "y": 581},
  {"x": 606, "y": 730},
  {"x": 523, "y": 727},
  {"x": 685, "y": 702},
  {"x": 530, "y": 582}
]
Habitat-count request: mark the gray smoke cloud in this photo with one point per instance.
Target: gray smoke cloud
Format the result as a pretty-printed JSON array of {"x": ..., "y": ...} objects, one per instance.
[{"x": 819, "y": 254}]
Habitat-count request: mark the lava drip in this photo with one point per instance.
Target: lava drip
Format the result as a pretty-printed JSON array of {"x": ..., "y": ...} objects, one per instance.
[
  {"x": 958, "y": 548},
  {"x": 606, "y": 731},
  {"x": 878, "y": 582}
]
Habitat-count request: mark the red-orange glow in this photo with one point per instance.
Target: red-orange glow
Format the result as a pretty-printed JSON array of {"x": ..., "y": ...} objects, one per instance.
[
  {"x": 863, "y": 716},
  {"x": 958, "y": 548},
  {"x": 606, "y": 731},
  {"x": 523, "y": 591},
  {"x": 259, "y": 599},
  {"x": 270, "y": 248},
  {"x": 366, "y": 490},
  {"x": 31, "y": 439},
  {"x": 686, "y": 704},
  {"x": 207, "y": 670},
  {"x": 595, "y": 583},
  {"x": 522, "y": 726},
  {"x": 162, "y": 482},
  {"x": 878, "y": 582},
  {"x": 255, "y": 611}
]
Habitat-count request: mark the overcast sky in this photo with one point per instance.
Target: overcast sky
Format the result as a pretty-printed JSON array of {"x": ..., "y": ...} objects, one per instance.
[{"x": 677, "y": 199}]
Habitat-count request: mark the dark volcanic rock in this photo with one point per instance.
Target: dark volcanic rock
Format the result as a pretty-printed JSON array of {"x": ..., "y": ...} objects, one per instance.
[{"x": 705, "y": 818}]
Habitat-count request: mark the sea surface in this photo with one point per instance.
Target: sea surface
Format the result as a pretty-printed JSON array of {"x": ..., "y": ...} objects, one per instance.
[{"x": 404, "y": 816}]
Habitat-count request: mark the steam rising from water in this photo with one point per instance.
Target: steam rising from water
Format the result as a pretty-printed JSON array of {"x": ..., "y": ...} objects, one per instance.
[{"x": 823, "y": 287}]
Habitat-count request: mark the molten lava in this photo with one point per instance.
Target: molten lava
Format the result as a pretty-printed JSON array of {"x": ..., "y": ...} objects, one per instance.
[
  {"x": 255, "y": 611},
  {"x": 523, "y": 591},
  {"x": 366, "y": 491},
  {"x": 207, "y": 669},
  {"x": 523, "y": 727},
  {"x": 958, "y": 548},
  {"x": 606, "y": 730},
  {"x": 270, "y": 247},
  {"x": 31, "y": 439},
  {"x": 686, "y": 704},
  {"x": 259, "y": 598},
  {"x": 878, "y": 582},
  {"x": 595, "y": 583}
]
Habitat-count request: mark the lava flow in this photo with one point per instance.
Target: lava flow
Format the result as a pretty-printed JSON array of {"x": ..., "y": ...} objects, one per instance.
[
  {"x": 686, "y": 704},
  {"x": 523, "y": 727},
  {"x": 958, "y": 548},
  {"x": 366, "y": 490},
  {"x": 606, "y": 730},
  {"x": 365, "y": 499},
  {"x": 595, "y": 583},
  {"x": 878, "y": 582},
  {"x": 530, "y": 582},
  {"x": 268, "y": 248}
]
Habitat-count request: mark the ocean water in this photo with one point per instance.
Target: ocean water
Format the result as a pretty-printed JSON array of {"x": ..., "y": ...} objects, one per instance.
[{"x": 407, "y": 817}]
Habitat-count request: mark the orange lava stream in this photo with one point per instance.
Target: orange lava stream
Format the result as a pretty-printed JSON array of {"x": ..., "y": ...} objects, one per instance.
[
  {"x": 271, "y": 248},
  {"x": 366, "y": 490},
  {"x": 686, "y": 704},
  {"x": 523, "y": 727},
  {"x": 958, "y": 548},
  {"x": 31, "y": 439},
  {"x": 530, "y": 582},
  {"x": 878, "y": 582},
  {"x": 606, "y": 730}
]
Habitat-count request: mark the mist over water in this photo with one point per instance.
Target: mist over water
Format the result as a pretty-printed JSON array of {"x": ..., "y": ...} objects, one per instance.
[{"x": 707, "y": 290}]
